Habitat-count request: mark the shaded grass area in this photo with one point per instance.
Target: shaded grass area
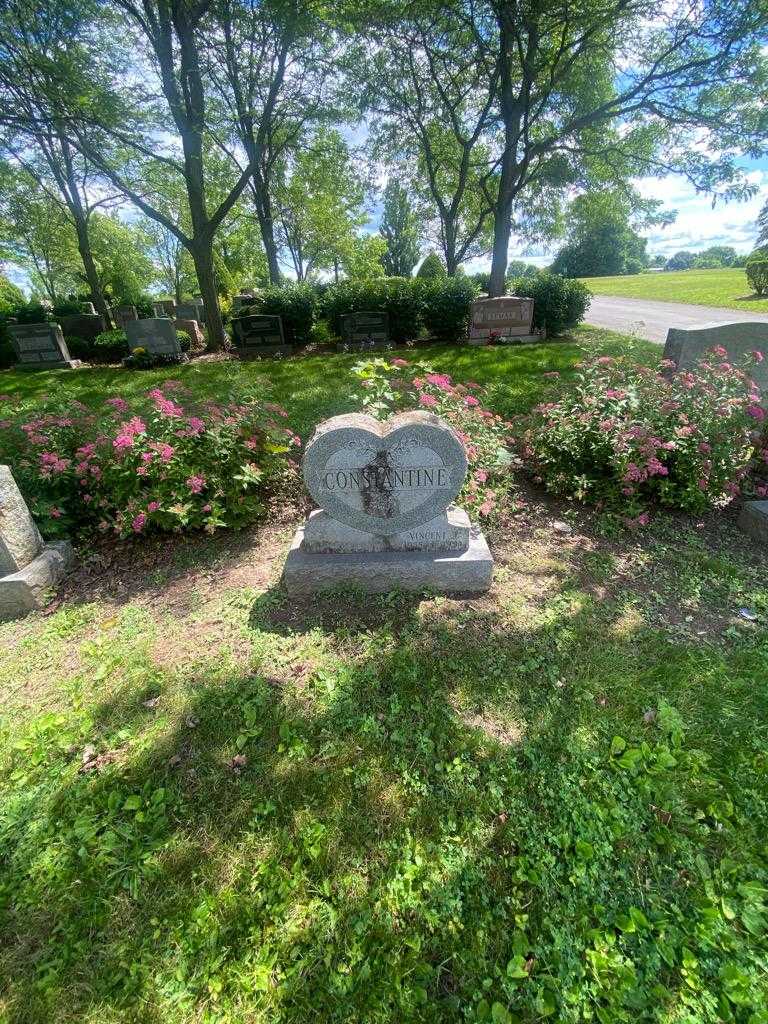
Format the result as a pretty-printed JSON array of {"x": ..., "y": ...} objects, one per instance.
[
  {"x": 221, "y": 805},
  {"x": 727, "y": 288},
  {"x": 317, "y": 386}
]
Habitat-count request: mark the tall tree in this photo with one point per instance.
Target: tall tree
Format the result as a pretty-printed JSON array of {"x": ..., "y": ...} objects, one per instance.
[
  {"x": 42, "y": 58},
  {"x": 762, "y": 225},
  {"x": 273, "y": 66},
  {"x": 321, "y": 206},
  {"x": 123, "y": 129},
  {"x": 401, "y": 231}
]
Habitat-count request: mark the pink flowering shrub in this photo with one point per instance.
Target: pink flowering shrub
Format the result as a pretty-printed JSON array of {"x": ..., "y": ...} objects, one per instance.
[
  {"x": 165, "y": 463},
  {"x": 388, "y": 386},
  {"x": 628, "y": 436}
]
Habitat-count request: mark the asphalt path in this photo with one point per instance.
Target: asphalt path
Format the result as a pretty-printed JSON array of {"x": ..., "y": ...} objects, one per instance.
[{"x": 651, "y": 320}]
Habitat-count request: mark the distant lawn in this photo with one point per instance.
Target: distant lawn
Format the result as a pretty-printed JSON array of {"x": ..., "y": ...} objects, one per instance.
[{"x": 726, "y": 288}]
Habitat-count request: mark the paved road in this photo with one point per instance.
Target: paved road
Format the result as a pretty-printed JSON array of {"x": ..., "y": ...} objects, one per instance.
[{"x": 650, "y": 319}]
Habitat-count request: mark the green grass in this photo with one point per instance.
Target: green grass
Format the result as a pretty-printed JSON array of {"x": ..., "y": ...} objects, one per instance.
[
  {"x": 548, "y": 803},
  {"x": 726, "y": 288}
]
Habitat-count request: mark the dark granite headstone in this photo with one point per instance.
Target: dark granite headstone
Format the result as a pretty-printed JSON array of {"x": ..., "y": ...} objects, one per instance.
[
  {"x": 83, "y": 325},
  {"x": 40, "y": 347},
  {"x": 364, "y": 331},
  {"x": 157, "y": 336},
  {"x": 260, "y": 335},
  {"x": 685, "y": 346},
  {"x": 123, "y": 314},
  {"x": 189, "y": 311}
]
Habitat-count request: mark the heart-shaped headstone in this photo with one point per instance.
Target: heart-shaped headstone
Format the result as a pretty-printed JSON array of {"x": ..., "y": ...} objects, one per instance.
[{"x": 384, "y": 478}]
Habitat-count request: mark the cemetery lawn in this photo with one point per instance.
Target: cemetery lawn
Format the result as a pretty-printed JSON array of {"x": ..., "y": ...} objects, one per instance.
[
  {"x": 218, "y": 804},
  {"x": 726, "y": 287}
]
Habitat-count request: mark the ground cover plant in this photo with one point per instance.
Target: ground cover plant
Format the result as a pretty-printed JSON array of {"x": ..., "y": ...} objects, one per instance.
[
  {"x": 169, "y": 461},
  {"x": 726, "y": 287},
  {"x": 548, "y": 803},
  {"x": 627, "y": 436}
]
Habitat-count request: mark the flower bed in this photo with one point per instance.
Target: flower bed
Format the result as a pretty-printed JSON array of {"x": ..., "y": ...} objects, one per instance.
[
  {"x": 388, "y": 386},
  {"x": 167, "y": 462},
  {"x": 628, "y": 436}
]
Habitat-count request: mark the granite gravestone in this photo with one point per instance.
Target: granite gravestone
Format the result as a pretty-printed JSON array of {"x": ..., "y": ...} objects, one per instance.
[
  {"x": 364, "y": 331},
  {"x": 192, "y": 328},
  {"x": 40, "y": 347},
  {"x": 243, "y": 299},
  {"x": 685, "y": 347},
  {"x": 386, "y": 519},
  {"x": 156, "y": 336},
  {"x": 124, "y": 314},
  {"x": 83, "y": 325},
  {"x": 505, "y": 317},
  {"x": 260, "y": 335},
  {"x": 169, "y": 305},
  {"x": 28, "y": 567},
  {"x": 158, "y": 308},
  {"x": 190, "y": 311}
]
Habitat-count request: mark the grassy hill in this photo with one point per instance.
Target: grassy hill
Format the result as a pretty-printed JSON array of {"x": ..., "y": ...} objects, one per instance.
[{"x": 727, "y": 288}]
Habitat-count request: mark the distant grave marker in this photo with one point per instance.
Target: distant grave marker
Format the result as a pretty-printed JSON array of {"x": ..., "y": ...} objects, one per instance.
[
  {"x": 364, "y": 331},
  {"x": 156, "y": 335},
  {"x": 260, "y": 335},
  {"x": 504, "y": 317},
  {"x": 190, "y": 311},
  {"x": 83, "y": 325},
  {"x": 41, "y": 347}
]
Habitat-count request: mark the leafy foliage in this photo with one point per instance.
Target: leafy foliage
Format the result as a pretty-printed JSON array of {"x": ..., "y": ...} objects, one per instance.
[
  {"x": 295, "y": 303},
  {"x": 558, "y": 304},
  {"x": 627, "y": 436},
  {"x": 432, "y": 267},
  {"x": 446, "y": 307},
  {"x": 157, "y": 464},
  {"x": 757, "y": 270}
]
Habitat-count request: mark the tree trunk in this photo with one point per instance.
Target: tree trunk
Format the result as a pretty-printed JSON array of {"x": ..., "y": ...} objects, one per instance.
[
  {"x": 91, "y": 274},
  {"x": 202, "y": 254},
  {"x": 267, "y": 228},
  {"x": 502, "y": 229}
]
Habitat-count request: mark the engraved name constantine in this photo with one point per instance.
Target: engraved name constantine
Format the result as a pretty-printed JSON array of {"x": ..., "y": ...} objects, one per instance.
[{"x": 407, "y": 478}]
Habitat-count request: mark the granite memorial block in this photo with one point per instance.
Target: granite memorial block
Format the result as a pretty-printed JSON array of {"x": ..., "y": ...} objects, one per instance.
[
  {"x": 190, "y": 311},
  {"x": 260, "y": 335},
  {"x": 158, "y": 308},
  {"x": 364, "y": 331},
  {"x": 386, "y": 519},
  {"x": 29, "y": 568},
  {"x": 169, "y": 305},
  {"x": 83, "y": 325},
  {"x": 156, "y": 335},
  {"x": 687, "y": 346},
  {"x": 192, "y": 328},
  {"x": 40, "y": 347},
  {"x": 754, "y": 520},
  {"x": 123, "y": 314},
  {"x": 505, "y": 317}
]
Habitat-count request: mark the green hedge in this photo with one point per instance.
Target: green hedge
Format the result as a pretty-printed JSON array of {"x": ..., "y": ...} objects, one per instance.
[
  {"x": 400, "y": 297},
  {"x": 446, "y": 306},
  {"x": 558, "y": 303},
  {"x": 295, "y": 303}
]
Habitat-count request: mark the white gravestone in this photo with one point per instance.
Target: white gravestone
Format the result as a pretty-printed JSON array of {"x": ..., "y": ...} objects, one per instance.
[
  {"x": 29, "y": 569},
  {"x": 40, "y": 347},
  {"x": 156, "y": 335},
  {"x": 386, "y": 519},
  {"x": 686, "y": 347}
]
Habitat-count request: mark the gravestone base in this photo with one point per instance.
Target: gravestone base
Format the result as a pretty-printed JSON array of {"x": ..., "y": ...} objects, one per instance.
[
  {"x": 447, "y": 532},
  {"x": 378, "y": 572},
  {"x": 364, "y": 346},
  {"x": 23, "y": 591},
  {"x": 754, "y": 520},
  {"x": 63, "y": 364},
  {"x": 264, "y": 351}
]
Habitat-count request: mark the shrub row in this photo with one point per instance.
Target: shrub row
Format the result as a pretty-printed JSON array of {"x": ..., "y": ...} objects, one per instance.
[{"x": 438, "y": 306}]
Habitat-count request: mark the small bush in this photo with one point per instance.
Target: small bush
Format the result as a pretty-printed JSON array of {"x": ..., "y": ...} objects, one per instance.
[
  {"x": 559, "y": 304},
  {"x": 626, "y": 436},
  {"x": 446, "y": 307},
  {"x": 32, "y": 313},
  {"x": 67, "y": 307},
  {"x": 295, "y": 303},
  {"x": 79, "y": 348},
  {"x": 757, "y": 271},
  {"x": 167, "y": 462},
  {"x": 109, "y": 347},
  {"x": 432, "y": 268},
  {"x": 389, "y": 386}
]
